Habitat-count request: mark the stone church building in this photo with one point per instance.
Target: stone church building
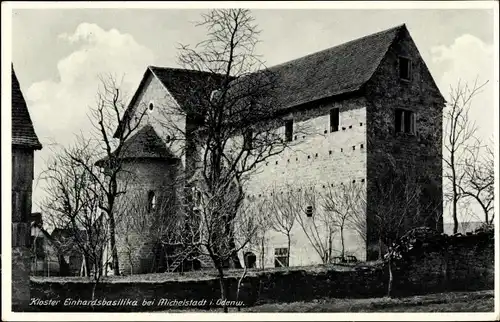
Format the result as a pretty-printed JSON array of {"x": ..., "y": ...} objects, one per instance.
[{"x": 367, "y": 100}]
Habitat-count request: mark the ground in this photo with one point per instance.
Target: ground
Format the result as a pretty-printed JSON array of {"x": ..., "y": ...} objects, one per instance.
[
  {"x": 201, "y": 275},
  {"x": 480, "y": 301}
]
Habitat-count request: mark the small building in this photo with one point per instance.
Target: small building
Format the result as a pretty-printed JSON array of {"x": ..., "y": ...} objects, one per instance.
[
  {"x": 58, "y": 253},
  {"x": 44, "y": 261},
  {"x": 24, "y": 143}
]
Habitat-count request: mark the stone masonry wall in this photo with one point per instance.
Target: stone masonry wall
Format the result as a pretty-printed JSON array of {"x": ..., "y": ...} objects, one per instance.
[
  {"x": 22, "y": 182},
  {"x": 20, "y": 278},
  {"x": 137, "y": 229},
  {"x": 164, "y": 116},
  {"x": 386, "y": 92},
  {"x": 318, "y": 159},
  {"x": 470, "y": 267},
  {"x": 462, "y": 262}
]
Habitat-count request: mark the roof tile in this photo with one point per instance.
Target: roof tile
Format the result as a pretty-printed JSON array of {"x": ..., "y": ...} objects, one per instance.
[
  {"x": 145, "y": 144},
  {"x": 337, "y": 70},
  {"x": 23, "y": 133}
]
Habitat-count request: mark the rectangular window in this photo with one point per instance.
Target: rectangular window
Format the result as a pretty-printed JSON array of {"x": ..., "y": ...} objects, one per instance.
[
  {"x": 334, "y": 119},
  {"x": 289, "y": 130},
  {"x": 197, "y": 195},
  {"x": 309, "y": 211},
  {"x": 399, "y": 120},
  {"x": 404, "y": 68},
  {"x": 247, "y": 139},
  {"x": 151, "y": 201},
  {"x": 405, "y": 121},
  {"x": 281, "y": 257}
]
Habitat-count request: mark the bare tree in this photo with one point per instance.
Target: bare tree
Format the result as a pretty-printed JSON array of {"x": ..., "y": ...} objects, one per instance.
[
  {"x": 357, "y": 222},
  {"x": 259, "y": 242},
  {"x": 467, "y": 217},
  {"x": 107, "y": 151},
  {"x": 283, "y": 210},
  {"x": 398, "y": 205},
  {"x": 479, "y": 179},
  {"x": 216, "y": 235},
  {"x": 318, "y": 225},
  {"x": 72, "y": 207},
  {"x": 258, "y": 212},
  {"x": 344, "y": 204},
  {"x": 232, "y": 125},
  {"x": 156, "y": 218},
  {"x": 459, "y": 130},
  {"x": 396, "y": 212}
]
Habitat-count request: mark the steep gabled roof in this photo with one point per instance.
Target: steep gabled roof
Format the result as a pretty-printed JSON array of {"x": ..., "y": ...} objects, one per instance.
[
  {"x": 145, "y": 144},
  {"x": 338, "y": 70},
  {"x": 334, "y": 71},
  {"x": 23, "y": 133},
  {"x": 188, "y": 87}
]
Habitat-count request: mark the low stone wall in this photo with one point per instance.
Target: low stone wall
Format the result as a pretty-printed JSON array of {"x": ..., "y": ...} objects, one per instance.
[
  {"x": 465, "y": 263},
  {"x": 20, "y": 271},
  {"x": 449, "y": 263},
  {"x": 260, "y": 287}
]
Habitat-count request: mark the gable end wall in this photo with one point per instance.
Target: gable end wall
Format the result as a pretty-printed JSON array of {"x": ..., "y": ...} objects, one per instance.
[{"x": 386, "y": 92}]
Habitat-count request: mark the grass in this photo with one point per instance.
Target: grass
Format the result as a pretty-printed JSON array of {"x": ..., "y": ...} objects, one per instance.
[
  {"x": 481, "y": 301},
  {"x": 196, "y": 275}
]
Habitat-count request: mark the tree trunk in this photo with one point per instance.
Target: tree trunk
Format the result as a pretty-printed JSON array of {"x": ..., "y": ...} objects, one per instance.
[
  {"x": 342, "y": 255},
  {"x": 240, "y": 281},
  {"x": 486, "y": 217},
  {"x": 35, "y": 252},
  {"x": 391, "y": 279},
  {"x": 380, "y": 248},
  {"x": 455, "y": 192},
  {"x": 94, "y": 287},
  {"x": 262, "y": 253},
  {"x": 222, "y": 288},
  {"x": 130, "y": 263},
  {"x": 288, "y": 253},
  {"x": 330, "y": 249},
  {"x": 455, "y": 216},
  {"x": 114, "y": 251}
]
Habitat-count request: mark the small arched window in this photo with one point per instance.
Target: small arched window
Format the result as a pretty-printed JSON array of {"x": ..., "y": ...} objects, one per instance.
[
  {"x": 151, "y": 201},
  {"x": 151, "y": 106}
]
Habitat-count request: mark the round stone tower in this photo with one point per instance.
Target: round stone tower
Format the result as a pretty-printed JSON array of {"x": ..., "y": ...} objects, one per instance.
[{"x": 146, "y": 211}]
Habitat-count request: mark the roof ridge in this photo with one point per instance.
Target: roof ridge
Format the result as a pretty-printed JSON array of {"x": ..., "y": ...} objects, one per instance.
[
  {"x": 339, "y": 45},
  {"x": 292, "y": 60},
  {"x": 184, "y": 70},
  {"x": 397, "y": 29},
  {"x": 341, "y": 69},
  {"x": 144, "y": 143},
  {"x": 142, "y": 131}
]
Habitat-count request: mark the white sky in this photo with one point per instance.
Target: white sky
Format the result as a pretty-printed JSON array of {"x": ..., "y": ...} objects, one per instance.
[{"x": 57, "y": 54}]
